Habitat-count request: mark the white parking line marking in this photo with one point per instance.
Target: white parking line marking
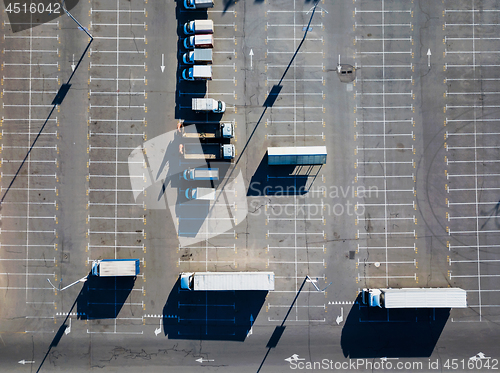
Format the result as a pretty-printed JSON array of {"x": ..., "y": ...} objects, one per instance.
[
  {"x": 118, "y": 24},
  {"x": 33, "y": 51},
  {"x": 116, "y": 65},
  {"x": 382, "y": 11},
  {"x": 31, "y": 64},
  {"x": 356, "y": 25},
  {"x": 122, "y": 52},
  {"x": 389, "y": 247},
  {"x": 117, "y": 11}
]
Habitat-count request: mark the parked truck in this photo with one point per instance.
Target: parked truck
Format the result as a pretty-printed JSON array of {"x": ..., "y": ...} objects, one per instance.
[
  {"x": 199, "y": 26},
  {"x": 197, "y": 174},
  {"x": 207, "y": 151},
  {"x": 208, "y": 130},
  {"x": 198, "y": 4},
  {"x": 198, "y": 56},
  {"x": 201, "y": 194},
  {"x": 115, "y": 267},
  {"x": 296, "y": 155},
  {"x": 197, "y": 72},
  {"x": 223, "y": 281},
  {"x": 415, "y": 298},
  {"x": 199, "y": 41},
  {"x": 208, "y": 104}
]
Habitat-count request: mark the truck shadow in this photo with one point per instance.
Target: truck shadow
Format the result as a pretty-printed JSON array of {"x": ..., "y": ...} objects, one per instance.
[
  {"x": 285, "y": 180},
  {"x": 103, "y": 297},
  {"x": 211, "y": 315},
  {"x": 372, "y": 332}
]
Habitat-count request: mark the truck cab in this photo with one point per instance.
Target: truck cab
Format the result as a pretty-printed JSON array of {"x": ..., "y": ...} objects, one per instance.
[
  {"x": 199, "y": 26},
  {"x": 221, "y": 107},
  {"x": 186, "y": 281},
  {"x": 198, "y": 4},
  {"x": 373, "y": 297}
]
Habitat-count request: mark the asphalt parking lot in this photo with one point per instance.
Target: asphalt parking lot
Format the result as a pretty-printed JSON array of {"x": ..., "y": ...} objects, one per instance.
[{"x": 405, "y": 199}]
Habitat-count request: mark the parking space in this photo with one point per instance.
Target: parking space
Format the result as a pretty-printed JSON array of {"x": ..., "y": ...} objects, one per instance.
[
  {"x": 471, "y": 152},
  {"x": 296, "y": 209},
  {"x": 29, "y": 212},
  {"x": 116, "y": 125},
  {"x": 384, "y": 144}
]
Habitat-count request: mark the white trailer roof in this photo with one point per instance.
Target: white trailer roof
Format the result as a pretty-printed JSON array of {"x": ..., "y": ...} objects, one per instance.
[
  {"x": 234, "y": 281},
  {"x": 204, "y": 23},
  {"x": 202, "y": 71},
  {"x": 296, "y": 150},
  {"x": 425, "y": 298},
  {"x": 203, "y": 38},
  {"x": 117, "y": 268}
]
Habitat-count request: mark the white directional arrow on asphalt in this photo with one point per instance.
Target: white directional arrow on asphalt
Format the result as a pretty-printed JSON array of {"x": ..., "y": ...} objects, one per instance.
[
  {"x": 73, "y": 64},
  {"x": 341, "y": 317},
  {"x": 68, "y": 329},
  {"x": 429, "y": 57},
  {"x": 250, "y": 332},
  {"x": 201, "y": 360},
  {"x": 162, "y": 62},
  {"x": 158, "y": 330},
  {"x": 26, "y": 362},
  {"x": 251, "y": 58}
]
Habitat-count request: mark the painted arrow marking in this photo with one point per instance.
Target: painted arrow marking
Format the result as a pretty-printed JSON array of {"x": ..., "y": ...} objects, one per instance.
[
  {"x": 68, "y": 329},
  {"x": 341, "y": 317},
  {"x": 162, "y": 62},
  {"x": 73, "y": 64},
  {"x": 429, "y": 57},
  {"x": 251, "y": 58},
  {"x": 250, "y": 332},
  {"x": 158, "y": 330},
  {"x": 201, "y": 360},
  {"x": 26, "y": 362}
]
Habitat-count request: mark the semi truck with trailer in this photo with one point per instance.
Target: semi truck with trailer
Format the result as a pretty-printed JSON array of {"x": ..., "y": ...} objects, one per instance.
[
  {"x": 199, "y": 26},
  {"x": 115, "y": 267},
  {"x": 415, "y": 298},
  {"x": 197, "y": 72},
  {"x": 296, "y": 155},
  {"x": 208, "y": 104},
  {"x": 223, "y": 130},
  {"x": 198, "y": 174},
  {"x": 199, "y": 41},
  {"x": 207, "y": 151},
  {"x": 198, "y": 4},
  {"x": 227, "y": 281}
]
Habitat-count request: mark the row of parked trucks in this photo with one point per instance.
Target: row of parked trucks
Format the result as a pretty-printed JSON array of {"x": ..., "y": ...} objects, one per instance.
[{"x": 388, "y": 298}]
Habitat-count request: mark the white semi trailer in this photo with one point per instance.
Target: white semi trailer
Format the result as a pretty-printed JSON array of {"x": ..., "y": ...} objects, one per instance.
[
  {"x": 415, "y": 298},
  {"x": 224, "y": 281},
  {"x": 296, "y": 155},
  {"x": 115, "y": 267}
]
